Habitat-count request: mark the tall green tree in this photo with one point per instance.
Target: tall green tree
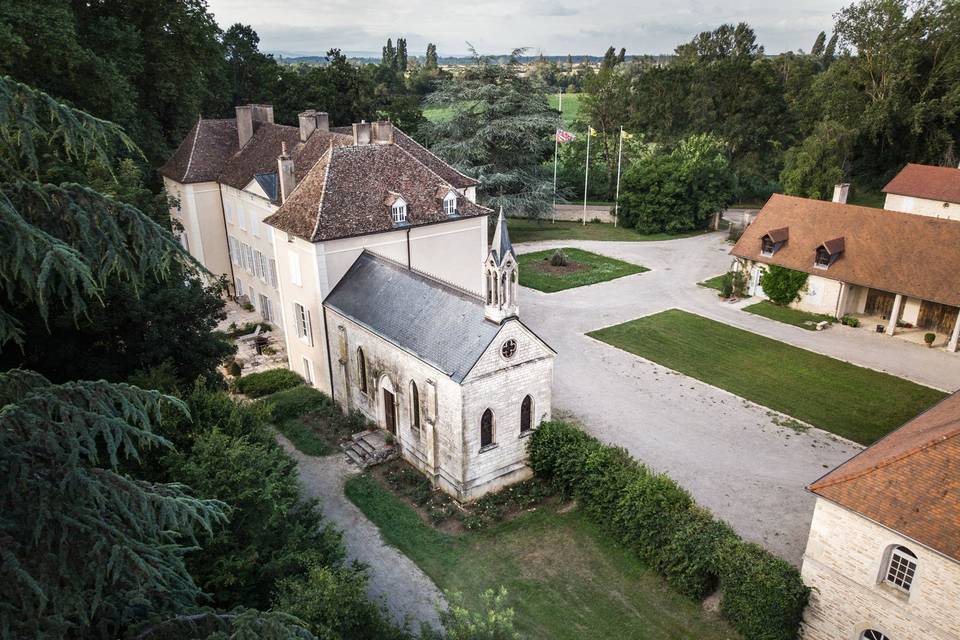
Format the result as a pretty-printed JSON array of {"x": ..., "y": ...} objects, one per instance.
[
  {"x": 499, "y": 133},
  {"x": 430, "y": 61},
  {"x": 252, "y": 73},
  {"x": 812, "y": 168},
  {"x": 818, "y": 44}
]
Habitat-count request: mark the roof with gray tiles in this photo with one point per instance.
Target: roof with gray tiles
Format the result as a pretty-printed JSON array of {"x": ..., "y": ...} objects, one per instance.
[{"x": 435, "y": 322}]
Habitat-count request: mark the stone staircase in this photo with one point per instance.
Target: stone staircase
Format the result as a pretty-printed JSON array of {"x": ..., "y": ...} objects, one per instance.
[{"x": 368, "y": 448}]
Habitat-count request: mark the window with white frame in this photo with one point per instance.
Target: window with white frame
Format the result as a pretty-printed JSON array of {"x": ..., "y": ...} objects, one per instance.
[
  {"x": 266, "y": 308},
  {"x": 301, "y": 316},
  {"x": 308, "y": 371},
  {"x": 901, "y": 568},
  {"x": 247, "y": 258},
  {"x": 450, "y": 204},
  {"x": 258, "y": 262},
  {"x": 399, "y": 211},
  {"x": 272, "y": 272},
  {"x": 238, "y": 283},
  {"x": 873, "y": 634},
  {"x": 268, "y": 232},
  {"x": 228, "y": 211},
  {"x": 252, "y": 294},
  {"x": 254, "y": 224},
  {"x": 234, "y": 247},
  {"x": 242, "y": 215},
  {"x": 295, "y": 276}
]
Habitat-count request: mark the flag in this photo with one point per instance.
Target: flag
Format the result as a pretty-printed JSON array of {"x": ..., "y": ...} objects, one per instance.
[
  {"x": 565, "y": 136},
  {"x": 593, "y": 132},
  {"x": 626, "y": 136}
]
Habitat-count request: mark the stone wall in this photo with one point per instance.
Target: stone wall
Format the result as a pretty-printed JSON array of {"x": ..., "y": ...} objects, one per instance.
[
  {"x": 500, "y": 385},
  {"x": 575, "y": 212},
  {"x": 843, "y": 564}
]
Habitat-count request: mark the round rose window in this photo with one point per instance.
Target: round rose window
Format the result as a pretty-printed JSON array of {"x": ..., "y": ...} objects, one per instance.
[{"x": 508, "y": 348}]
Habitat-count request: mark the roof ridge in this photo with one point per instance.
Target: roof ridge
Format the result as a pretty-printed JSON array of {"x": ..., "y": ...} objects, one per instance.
[
  {"x": 193, "y": 147},
  {"x": 323, "y": 191},
  {"x": 411, "y": 139},
  {"x": 886, "y": 462}
]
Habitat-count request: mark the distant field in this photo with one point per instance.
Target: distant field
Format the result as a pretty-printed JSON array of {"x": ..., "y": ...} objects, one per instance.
[{"x": 571, "y": 107}]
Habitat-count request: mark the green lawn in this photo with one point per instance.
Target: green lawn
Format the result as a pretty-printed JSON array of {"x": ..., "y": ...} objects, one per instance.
[
  {"x": 716, "y": 282},
  {"x": 851, "y": 401},
  {"x": 571, "y": 107},
  {"x": 526, "y": 230},
  {"x": 564, "y": 577},
  {"x": 797, "y": 318},
  {"x": 534, "y": 270},
  {"x": 310, "y": 420}
]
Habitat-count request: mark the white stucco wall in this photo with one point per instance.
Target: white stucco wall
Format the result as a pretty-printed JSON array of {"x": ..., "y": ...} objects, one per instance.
[
  {"x": 922, "y": 206},
  {"x": 843, "y": 564},
  {"x": 201, "y": 216}
]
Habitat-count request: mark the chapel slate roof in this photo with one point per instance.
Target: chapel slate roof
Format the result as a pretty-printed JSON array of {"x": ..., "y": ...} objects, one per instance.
[
  {"x": 345, "y": 194},
  {"x": 436, "y": 322},
  {"x": 203, "y": 152},
  {"x": 908, "y": 481},
  {"x": 896, "y": 252},
  {"x": 928, "y": 182}
]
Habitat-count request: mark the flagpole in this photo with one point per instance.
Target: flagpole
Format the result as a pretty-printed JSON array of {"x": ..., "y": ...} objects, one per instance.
[
  {"x": 616, "y": 199},
  {"x": 556, "y": 144},
  {"x": 586, "y": 176}
]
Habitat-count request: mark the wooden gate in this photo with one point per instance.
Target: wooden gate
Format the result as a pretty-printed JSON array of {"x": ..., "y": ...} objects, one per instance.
[
  {"x": 936, "y": 316},
  {"x": 880, "y": 303}
]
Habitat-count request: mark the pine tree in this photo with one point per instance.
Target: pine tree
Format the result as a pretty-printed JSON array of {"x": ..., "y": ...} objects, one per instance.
[
  {"x": 817, "y": 48},
  {"x": 431, "y": 59},
  {"x": 829, "y": 52},
  {"x": 622, "y": 56},
  {"x": 609, "y": 58},
  {"x": 389, "y": 58}
]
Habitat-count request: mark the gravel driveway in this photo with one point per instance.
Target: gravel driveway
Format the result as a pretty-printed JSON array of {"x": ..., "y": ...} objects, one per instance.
[
  {"x": 395, "y": 580},
  {"x": 725, "y": 450}
]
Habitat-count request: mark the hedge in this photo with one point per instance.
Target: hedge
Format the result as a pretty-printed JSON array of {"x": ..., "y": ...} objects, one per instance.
[
  {"x": 257, "y": 385},
  {"x": 762, "y": 596}
]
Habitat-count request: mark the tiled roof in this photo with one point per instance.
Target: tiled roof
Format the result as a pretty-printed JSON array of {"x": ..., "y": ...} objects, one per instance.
[
  {"x": 260, "y": 153},
  {"x": 897, "y": 252},
  {"x": 926, "y": 181},
  {"x": 439, "y": 324},
  {"x": 344, "y": 194},
  {"x": 203, "y": 152},
  {"x": 909, "y": 481}
]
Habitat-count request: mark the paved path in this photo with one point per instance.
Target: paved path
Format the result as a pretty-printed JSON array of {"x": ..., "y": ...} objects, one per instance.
[
  {"x": 727, "y": 451},
  {"x": 395, "y": 580}
]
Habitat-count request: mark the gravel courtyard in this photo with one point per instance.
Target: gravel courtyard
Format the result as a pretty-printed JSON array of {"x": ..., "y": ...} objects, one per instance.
[{"x": 728, "y": 452}]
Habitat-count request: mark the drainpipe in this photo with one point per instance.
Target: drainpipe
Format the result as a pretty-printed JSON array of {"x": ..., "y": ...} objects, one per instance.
[
  {"x": 326, "y": 339},
  {"x": 408, "y": 249},
  {"x": 226, "y": 234}
]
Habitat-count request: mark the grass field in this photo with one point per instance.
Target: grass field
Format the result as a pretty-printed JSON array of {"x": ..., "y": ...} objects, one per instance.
[
  {"x": 526, "y": 230},
  {"x": 310, "y": 420},
  {"x": 716, "y": 282},
  {"x": 564, "y": 577},
  {"x": 571, "y": 107},
  {"x": 797, "y": 318},
  {"x": 850, "y": 401},
  {"x": 536, "y": 272}
]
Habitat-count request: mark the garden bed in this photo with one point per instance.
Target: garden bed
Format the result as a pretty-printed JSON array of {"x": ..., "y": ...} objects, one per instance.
[{"x": 582, "y": 268}]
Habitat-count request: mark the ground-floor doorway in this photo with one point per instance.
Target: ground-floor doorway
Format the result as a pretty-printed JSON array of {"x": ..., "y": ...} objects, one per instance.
[{"x": 389, "y": 412}]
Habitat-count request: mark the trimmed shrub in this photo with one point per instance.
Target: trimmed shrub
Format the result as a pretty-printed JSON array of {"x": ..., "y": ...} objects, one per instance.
[
  {"x": 295, "y": 402},
  {"x": 762, "y": 596},
  {"x": 257, "y": 385},
  {"x": 783, "y": 285},
  {"x": 558, "y": 258}
]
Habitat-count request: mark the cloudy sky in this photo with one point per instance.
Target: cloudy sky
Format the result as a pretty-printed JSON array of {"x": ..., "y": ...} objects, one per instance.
[{"x": 555, "y": 27}]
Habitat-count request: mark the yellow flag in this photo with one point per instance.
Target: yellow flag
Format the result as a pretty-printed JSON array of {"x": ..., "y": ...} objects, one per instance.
[
  {"x": 626, "y": 136},
  {"x": 593, "y": 132}
]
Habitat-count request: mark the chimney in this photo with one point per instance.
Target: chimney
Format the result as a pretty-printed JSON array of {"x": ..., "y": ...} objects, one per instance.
[
  {"x": 361, "y": 132},
  {"x": 262, "y": 112},
  {"x": 840, "y": 192},
  {"x": 285, "y": 173},
  {"x": 323, "y": 121},
  {"x": 308, "y": 123},
  {"x": 244, "y": 124},
  {"x": 383, "y": 132}
]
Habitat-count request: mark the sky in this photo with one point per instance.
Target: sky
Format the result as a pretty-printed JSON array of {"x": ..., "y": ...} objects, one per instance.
[{"x": 553, "y": 27}]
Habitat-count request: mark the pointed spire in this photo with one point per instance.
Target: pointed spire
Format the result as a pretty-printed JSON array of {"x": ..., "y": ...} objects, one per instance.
[{"x": 501, "y": 239}]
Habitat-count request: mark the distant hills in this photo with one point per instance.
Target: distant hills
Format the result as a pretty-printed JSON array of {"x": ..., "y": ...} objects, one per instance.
[{"x": 364, "y": 58}]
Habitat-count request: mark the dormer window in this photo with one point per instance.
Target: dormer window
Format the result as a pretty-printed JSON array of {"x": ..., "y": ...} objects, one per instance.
[
  {"x": 399, "y": 210},
  {"x": 771, "y": 241},
  {"x": 827, "y": 253},
  {"x": 450, "y": 203}
]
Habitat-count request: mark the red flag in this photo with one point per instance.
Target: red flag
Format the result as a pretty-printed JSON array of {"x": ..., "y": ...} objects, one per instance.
[{"x": 565, "y": 136}]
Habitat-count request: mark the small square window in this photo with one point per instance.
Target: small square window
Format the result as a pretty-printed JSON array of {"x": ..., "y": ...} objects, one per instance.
[{"x": 901, "y": 569}]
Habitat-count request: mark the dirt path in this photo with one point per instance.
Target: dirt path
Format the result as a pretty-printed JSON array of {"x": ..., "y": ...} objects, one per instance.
[{"x": 395, "y": 580}]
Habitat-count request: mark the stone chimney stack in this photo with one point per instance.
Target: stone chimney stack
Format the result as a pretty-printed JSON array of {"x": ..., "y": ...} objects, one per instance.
[
  {"x": 285, "y": 173},
  {"x": 262, "y": 112},
  {"x": 840, "y": 192},
  {"x": 323, "y": 121},
  {"x": 308, "y": 124},
  {"x": 361, "y": 132},
  {"x": 244, "y": 124},
  {"x": 383, "y": 132}
]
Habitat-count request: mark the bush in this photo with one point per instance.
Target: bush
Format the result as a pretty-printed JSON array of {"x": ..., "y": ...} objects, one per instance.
[
  {"x": 235, "y": 369},
  {"x": 783, "y": 285},
  {"x": 558, "y": 258},
  {"x": 295, "y": 402},
  {"x": 257, "y": 385},
  {"x": 850, "y": 321},
  {"x": 929, "y": 338},
  {"x": 762, "y": 596}
]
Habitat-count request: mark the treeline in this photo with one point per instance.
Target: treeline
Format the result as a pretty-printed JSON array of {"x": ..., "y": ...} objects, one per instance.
[
  {"x": 882, "y": 90},
  {"x": 153, "y": 67}
]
